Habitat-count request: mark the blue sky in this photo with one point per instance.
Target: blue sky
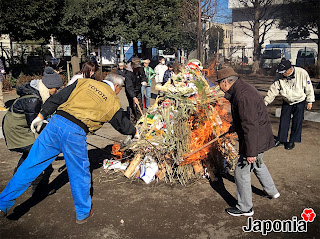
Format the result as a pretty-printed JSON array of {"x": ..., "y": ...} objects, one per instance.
[{"x": 223, "y": 14}]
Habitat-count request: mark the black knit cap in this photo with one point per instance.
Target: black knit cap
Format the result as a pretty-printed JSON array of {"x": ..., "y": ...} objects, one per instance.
[
  {"x": 51, "y": 79},
  {"x": 283, "y": 66}
]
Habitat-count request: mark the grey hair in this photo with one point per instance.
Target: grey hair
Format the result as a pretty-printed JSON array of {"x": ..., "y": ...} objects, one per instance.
[
  {"x": 231, "y": 79},
  {"x": 115, "y": 79}
]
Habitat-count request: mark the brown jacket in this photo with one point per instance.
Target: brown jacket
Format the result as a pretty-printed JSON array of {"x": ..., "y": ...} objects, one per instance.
[{"x": 250, "y": 119}]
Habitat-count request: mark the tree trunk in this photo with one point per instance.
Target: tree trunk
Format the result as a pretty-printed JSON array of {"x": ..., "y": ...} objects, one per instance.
[
  {"x": 73, "y": 43},
  {"x": 11, "y": 60},
  {"x": 199, "y": 50},
  {"x": 135, "y": 48},
  {"x": 256, "y": 43},
  {"x": 146, "y": 52},
  {"x": 176, "y": 54},
  {"x": 318, "y": 58}
]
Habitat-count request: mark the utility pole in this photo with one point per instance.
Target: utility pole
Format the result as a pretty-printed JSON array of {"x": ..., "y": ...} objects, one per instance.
[
  {"x": 121, "y": 52},
  {"x": 218, "y": 42},
  {"x": 199, "y": 31}
]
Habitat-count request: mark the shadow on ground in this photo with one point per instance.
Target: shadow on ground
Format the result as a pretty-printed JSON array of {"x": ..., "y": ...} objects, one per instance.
[
  {"x": 220, "y": 188},
  {"x": 96, "y": 157}
]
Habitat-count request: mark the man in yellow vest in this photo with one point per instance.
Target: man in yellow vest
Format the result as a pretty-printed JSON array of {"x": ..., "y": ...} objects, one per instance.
[{"x": 81, "y": 108}]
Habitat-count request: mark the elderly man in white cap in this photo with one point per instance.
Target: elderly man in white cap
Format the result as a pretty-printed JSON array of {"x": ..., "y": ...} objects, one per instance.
[{"x": 294, "y": 85}]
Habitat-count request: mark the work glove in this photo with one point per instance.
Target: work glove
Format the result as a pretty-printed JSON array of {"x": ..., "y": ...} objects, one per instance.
[
  {"x": 37, "y": 123},
  {"x": 127, "y": 141},
  {"x": 137, "y": 135}
]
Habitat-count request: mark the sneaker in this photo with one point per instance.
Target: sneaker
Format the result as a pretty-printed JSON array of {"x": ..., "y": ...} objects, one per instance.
[
  {"x": 274, "y": 196},
  {"x": 3, "y": 109},
  {"x": 86, "y": 219},
  {"x": 237, "y": 212},
  {"x": 266, "y": 195}
]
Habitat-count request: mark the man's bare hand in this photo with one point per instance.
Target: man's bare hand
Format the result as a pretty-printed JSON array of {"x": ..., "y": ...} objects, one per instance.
[
  {"x": 309, "y": 106},
  {"x": 251, "y": 159},
  {"x": 135, "y": 100}
]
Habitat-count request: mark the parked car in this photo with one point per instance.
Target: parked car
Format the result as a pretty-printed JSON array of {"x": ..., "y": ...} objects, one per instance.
[
  {"x": 306, "y": 57},
  {"x": 273, "y": 54}
]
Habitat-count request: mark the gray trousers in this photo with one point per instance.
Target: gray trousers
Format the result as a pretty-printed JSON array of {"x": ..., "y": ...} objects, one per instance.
[{"x": 242, "y": 176}]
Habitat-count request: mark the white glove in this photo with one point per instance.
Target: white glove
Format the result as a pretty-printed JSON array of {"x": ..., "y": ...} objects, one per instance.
[
  {"x": 144, "y": 83},
  {"x": 137, "y": 135},
  {"x": 36, "y": 124},
  {"x": 127, "y": 141}
]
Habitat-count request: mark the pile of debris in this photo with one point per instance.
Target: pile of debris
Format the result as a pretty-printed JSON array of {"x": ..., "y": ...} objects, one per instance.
[{"x": 184, "y": 135}]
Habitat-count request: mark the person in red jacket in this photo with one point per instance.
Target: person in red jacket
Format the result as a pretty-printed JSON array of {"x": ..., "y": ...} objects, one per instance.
[{"x": 252, "y": 124}]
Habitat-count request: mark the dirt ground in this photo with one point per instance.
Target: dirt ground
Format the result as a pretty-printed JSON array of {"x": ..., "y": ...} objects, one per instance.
[{"x": 125, "y": 209}]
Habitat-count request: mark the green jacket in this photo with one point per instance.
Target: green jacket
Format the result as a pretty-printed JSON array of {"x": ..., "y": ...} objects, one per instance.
[{"x": 150, "y": 74}]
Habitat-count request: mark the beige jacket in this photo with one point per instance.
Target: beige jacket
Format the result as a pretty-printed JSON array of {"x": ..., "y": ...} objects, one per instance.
[{"x": 292, "y": 91}]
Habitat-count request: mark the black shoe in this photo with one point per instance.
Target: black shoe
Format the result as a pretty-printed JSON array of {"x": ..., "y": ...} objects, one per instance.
[
  {"x": 237, "y": 212},
  {"x": 289, "y": 146},
  {"x": 52, "y": 191},
  {"x": 277, "y": 142}
]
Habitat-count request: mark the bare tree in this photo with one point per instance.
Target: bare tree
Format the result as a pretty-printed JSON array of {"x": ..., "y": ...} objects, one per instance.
[
  {"x": 193, "y": 14},
  {"x": 257, "y": 18}
]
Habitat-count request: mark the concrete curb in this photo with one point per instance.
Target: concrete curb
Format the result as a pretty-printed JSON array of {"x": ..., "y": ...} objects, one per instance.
[{"x": 308, "y": 115}]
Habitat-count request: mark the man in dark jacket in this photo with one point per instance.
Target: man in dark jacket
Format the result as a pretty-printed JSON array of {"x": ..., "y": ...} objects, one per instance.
[
  {"x": 252, "y": 124},
  {"x": 17, "y": 121},
  {"x": 80, "y": 108},
  {"x": 133, "y": 83}
]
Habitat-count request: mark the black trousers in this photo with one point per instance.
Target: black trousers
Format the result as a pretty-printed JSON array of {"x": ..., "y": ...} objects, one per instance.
[
  {"x": 135, "y": 112},
  {"x": 297, "y": 112}
]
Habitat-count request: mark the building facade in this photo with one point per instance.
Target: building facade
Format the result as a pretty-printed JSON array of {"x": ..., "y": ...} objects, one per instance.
[{"x": 242, "y": 39}]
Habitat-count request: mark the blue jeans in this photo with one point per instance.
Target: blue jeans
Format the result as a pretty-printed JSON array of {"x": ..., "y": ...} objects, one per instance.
[
  {"x": 148, "y": 94},
  {"x": 59, "y": 136}
]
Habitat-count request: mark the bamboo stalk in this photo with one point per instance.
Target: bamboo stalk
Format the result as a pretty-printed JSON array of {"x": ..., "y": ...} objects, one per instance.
[
  {"x": 139, "y": 109},
  {"x": 133, "y": 165}
]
